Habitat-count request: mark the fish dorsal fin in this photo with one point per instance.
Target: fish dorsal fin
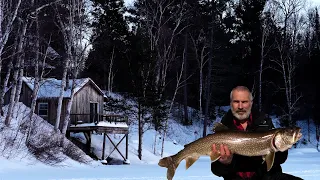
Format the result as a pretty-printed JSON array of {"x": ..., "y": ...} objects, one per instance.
[
  {"x": 219, "y": 127},
  {"x": 186, "y": 145}
]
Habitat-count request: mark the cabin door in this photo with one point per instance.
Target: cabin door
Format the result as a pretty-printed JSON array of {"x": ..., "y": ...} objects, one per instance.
[{"x": 94, "y": 110}]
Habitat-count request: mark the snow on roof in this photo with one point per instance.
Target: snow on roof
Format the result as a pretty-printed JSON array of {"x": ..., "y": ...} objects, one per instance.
[
  {"x": 50, "y": 87},
  {"x": 52, "y": 53}
]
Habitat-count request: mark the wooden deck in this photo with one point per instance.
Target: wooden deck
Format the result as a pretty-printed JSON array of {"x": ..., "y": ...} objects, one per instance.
[
  {"x": 99, "y": 129},
  {"x": 105, "y": 125}
]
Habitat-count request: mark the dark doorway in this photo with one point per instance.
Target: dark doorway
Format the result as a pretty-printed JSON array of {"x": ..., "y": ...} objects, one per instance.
[{"x": 94, "y": 113}]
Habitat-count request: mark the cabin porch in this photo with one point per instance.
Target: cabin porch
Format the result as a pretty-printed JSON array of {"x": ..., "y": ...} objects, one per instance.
[{"x": 101, "y": 124}]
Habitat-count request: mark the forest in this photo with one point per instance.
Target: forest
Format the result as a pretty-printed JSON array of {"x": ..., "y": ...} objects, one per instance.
[{"x": 159, "y": 51}]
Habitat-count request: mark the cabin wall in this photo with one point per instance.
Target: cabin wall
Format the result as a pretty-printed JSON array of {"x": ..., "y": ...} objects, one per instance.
[
  {"x": 52, "y": 110},
  {"x": 81, "y": 103},
  {"x": 25, "y": 95}
]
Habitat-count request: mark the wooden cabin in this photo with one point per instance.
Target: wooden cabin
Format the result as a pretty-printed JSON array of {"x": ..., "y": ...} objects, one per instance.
[
  {"x": 87, "y": 102},
  {"x": 87, "y": 109}
]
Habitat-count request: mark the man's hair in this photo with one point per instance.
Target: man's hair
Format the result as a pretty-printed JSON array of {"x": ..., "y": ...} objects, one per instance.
[{"x": 241, "y": 88}]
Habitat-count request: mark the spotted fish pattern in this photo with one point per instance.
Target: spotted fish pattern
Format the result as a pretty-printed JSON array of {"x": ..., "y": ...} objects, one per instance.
[{"x": 263, "y": 144}]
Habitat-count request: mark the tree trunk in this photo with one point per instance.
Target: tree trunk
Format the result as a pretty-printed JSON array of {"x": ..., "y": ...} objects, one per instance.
[
  {"x": 110, "y": 79},
  {"x": 21, "y": 58},
  {"x": 7, "y": 30},
  {"x": 5, "y": 86},
  {"x": 140, "y": 126},
  {"x": 309, "y": 129},
  {"x": 185, "y": 92},
  {"x": 155, "y": 143},
  {"x": 16, "y": 75},
  {"x": 67, "y": 117},
  {"x": 12, "y": 95},
  {"x": 62, "y": 88},
  {"x": 171, "y": 105},
  {"x": 208, "y": 87},
  {"x": 19, "y": 84},
  {"x": 263, "y": 41}
]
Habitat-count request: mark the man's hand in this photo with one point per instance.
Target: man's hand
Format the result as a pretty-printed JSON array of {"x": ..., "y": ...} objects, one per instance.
[{"x": 225, "y": 155}]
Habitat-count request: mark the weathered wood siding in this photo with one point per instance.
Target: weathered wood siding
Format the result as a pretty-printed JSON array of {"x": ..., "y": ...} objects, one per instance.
[
  {"x": 25, "y": 95},
  {"x": 81, "y": 102},
  {"x": 52, "y": 110}
]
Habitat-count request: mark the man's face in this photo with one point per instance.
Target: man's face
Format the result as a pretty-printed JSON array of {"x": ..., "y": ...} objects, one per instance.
[{"x": 241, "y": 104}]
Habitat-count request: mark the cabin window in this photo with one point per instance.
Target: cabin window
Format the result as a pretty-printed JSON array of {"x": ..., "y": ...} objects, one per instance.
[{"x": 43, "y": 109}]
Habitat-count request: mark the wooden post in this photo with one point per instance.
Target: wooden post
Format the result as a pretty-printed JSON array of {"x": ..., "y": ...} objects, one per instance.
[
  {"x": 88, "y": 137},
  {"x": 104, "y": 145},
  {"x": 127, "y": 146}
]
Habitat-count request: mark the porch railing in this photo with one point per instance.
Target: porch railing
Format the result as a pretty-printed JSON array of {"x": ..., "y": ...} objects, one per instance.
[{"x": 76, "y": 119}]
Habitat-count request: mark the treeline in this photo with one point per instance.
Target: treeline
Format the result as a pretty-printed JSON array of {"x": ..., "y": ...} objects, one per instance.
[
  {"x": 195, "y": 52},
  {"x": 159, "y": 51}
]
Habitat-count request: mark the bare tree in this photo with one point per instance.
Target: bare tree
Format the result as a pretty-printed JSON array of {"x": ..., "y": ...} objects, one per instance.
[
  {"x": 163, "y": 20},
  {"x": 74, "y": 31},
  {"x": 8, "y": 14},
  {"x": 39, "y": 70},
  {"x": 289, "y": 16},
  {"x": 180, "y": 83},
  {"x": 161, "y": 36},
  {"x": 111, "y": 75},
  {"x": 67, "y": 30},
  {"x": 265, "y": 32},
  {"x": 200, "y": 46},
  {"x": 19, "y": 63},
  {"x": 17, "y": 72}
]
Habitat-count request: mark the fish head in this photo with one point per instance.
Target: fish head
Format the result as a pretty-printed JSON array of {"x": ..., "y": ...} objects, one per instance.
[{"x": 286, "y": 137}]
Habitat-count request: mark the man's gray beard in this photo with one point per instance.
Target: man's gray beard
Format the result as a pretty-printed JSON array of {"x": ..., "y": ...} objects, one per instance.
[{"x": 241, "y": 117}]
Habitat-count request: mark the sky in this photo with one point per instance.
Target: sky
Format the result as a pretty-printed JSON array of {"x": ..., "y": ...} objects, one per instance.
[
  {"x": 130, "y": 2},
  {"x": 317, "y": 2},
  {"x": 303, "y": 161}
]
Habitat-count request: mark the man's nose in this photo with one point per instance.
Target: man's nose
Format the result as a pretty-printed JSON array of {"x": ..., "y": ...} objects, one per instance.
[{"x": 240, "y": 105}]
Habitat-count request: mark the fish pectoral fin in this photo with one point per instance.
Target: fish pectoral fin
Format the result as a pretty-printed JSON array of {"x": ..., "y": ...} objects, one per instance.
[
  {"x": 214, "y": 156},
  {"x": 190, "y": 160},
  {"x": 269, "y": 158}
]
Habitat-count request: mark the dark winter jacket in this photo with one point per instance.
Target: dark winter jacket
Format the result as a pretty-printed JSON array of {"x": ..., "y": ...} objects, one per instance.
[{"x": 248, "y": 164}]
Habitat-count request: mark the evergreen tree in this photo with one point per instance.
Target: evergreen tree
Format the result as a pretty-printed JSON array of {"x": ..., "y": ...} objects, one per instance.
[
  {"x": 107, "y": 63},
  {"x": 248, "y": 14}
]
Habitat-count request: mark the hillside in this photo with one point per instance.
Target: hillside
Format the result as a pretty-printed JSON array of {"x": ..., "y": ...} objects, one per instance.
[{"x": 13, "y": 146}]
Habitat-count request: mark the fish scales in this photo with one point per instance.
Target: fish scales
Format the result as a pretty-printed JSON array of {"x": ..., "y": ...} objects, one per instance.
[{"x": 263, "y": 144}]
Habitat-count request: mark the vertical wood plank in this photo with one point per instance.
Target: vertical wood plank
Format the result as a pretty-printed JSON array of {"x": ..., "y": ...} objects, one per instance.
[{"x": 104, "y": 145}]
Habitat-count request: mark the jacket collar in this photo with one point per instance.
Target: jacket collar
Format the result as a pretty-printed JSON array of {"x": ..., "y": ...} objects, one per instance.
[{"x": 257, "y": 118}]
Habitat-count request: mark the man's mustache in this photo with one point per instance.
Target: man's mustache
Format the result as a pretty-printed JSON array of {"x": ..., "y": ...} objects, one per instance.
[{"x": 241, "y": 111}]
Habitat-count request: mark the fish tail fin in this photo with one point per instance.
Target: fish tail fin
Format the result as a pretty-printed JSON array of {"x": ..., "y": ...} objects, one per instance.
[{"x": 169, "y": 163}]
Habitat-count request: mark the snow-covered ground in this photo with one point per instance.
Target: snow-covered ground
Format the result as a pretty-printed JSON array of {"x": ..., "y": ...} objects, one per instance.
[{"x": 303, "y": 161}]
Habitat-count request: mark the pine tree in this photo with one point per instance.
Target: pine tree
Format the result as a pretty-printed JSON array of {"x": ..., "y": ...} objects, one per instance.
[{"x": 107, "y": 63}]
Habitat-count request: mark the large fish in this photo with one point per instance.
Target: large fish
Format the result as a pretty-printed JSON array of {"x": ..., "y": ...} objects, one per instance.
[{"x": 263, "y": 144}]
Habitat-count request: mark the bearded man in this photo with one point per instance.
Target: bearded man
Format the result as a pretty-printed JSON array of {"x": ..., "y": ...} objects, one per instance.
[{"x": 242, "y": 117}]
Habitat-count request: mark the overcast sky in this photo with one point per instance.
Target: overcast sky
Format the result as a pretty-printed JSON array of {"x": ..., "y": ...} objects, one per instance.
[
  {"x": 317, "y": 2},
  {"x": 130, "y": 2}
]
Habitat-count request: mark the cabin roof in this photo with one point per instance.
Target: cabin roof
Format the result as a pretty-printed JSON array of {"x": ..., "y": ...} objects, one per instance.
[{"x": 50, "y": 87}]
